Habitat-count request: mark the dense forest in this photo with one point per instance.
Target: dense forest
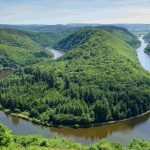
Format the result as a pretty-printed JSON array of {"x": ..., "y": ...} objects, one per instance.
[
  {"x": 81, "y": 36},
  {"x": 147, "y": 38},
  {"x": 9, "y": 141},
  {"x": 99, "y": 79},
  {"x": 47, "y": 39},
  {"x": 17, "y": 49},
  {"x": 21, "y": 48}
]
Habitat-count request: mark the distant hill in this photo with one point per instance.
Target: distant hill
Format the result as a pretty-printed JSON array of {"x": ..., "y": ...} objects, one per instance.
[
  {"x": 130, "y": 27},
  {"x": 18, "y": 49},
  {"x": 47, "y": 39},
  {"x": 81, "y": 36},
  {"x": 147, "y": 37},
  {"x": 40, "y": 28},
  {"x": 73, "y": 27}
]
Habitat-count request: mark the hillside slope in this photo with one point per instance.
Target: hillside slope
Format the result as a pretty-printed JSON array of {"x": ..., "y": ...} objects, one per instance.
[
  {"x": 18, "y": 49},
  {"x": 47, "y": 39},
  {"x": 81, "y": 36},
  {"x": 147, "y": 39},
  {"x": 98, "y": 80}
]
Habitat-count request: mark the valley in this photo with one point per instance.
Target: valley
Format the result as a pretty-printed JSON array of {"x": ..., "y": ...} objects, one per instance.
[
  {"x": 74, "y": 75},
  {"x": 122, "y": 132},
  {"x": 63, "y": 89}
]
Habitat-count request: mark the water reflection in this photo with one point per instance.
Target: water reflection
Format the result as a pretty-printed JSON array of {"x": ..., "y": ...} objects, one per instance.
[
  {"x": 15, "y": 120},
  {"x": 122, "y": 131},
  {"x": 104, "y": 131}
]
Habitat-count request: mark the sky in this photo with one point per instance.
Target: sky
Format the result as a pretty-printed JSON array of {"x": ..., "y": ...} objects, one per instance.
[{"x": 74, "y": 11}]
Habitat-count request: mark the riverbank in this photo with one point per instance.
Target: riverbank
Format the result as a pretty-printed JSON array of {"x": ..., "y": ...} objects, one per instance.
[
  {"x": 144, "y": 58},
  {"x": 37, "y": 122},
  {"x": 10, "y": 141}
]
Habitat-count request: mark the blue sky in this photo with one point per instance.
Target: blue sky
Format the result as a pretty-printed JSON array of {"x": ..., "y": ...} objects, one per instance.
[{"x": 74, "y": 11}]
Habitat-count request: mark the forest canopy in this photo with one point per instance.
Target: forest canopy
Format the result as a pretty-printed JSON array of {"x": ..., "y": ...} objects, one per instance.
[
  {"x": 22, "y": 48},
  {"x": 99, "y": 79}
]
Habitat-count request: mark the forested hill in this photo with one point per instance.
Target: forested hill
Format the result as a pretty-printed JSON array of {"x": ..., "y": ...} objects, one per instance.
[
  {"x": 74, "y": 40},
  {"x": 47, "y": 39},
  {"x": 41, "y": 28},
  {"x": 18, "y": 49},
  {"x": 147, "y": 38},
  {"x": 81, "y": 36},
  {"x": 98, "y": 80}
]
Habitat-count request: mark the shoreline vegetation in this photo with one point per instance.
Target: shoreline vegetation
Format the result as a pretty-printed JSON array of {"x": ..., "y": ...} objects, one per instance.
[{"x": 37, "y": 122}]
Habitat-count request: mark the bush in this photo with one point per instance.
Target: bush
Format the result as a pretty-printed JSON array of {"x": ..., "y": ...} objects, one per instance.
[{"x": 5, "y": 136}]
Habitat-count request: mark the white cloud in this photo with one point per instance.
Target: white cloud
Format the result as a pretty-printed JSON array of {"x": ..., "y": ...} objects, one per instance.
[{"x": 48, "y": 12}]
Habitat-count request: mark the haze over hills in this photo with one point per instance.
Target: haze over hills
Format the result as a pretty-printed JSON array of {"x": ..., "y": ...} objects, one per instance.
[
  {"x": 73, "y": 26},
  {"x": 40, "y": 28},
  {"x": 130, "y": 27}
]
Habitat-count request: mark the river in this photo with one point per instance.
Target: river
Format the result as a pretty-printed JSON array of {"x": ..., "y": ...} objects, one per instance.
[
  {"x": 143, "y": 57},
  {"x": 56, "y": 53},
  {"x": 121, "y": 132}
]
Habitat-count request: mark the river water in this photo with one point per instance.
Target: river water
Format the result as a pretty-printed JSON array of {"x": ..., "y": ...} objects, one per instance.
[
  {"x": 143, "y": 57},
  {"x": 56, "y": 53},
  {"x": 121, "y": 132}
]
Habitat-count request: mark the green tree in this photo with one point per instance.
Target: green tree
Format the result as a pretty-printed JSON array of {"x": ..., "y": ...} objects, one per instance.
[{"x": 5, "y": 136}]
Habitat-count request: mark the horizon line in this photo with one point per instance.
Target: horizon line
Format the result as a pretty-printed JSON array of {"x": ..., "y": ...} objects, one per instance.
[{"x": 77, "y": 24}]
